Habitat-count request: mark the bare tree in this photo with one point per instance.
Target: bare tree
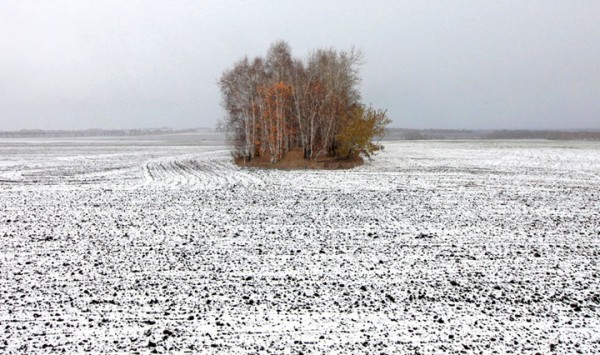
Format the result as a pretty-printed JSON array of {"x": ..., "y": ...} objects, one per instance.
[{"x": 281, "y": 103}]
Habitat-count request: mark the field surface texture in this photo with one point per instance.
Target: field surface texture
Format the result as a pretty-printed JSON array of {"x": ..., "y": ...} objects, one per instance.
[{"x": 165, "y": 245}]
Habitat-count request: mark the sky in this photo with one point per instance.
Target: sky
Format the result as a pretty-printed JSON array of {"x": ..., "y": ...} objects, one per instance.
[{"x": 122, "y": 64}]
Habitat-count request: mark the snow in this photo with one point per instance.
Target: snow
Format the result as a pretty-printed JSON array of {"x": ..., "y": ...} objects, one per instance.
[{"x": 435, "y": 246}]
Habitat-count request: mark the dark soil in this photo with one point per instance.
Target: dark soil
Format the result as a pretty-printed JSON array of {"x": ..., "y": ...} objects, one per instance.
[{"x": 294, "y": 160}]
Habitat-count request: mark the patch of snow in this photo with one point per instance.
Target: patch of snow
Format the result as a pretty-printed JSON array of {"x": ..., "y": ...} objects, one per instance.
[{"x": 432, "y": 247}]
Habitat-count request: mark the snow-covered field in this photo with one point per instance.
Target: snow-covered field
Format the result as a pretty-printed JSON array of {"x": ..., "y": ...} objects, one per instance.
[{"x": 109, "y": 245}]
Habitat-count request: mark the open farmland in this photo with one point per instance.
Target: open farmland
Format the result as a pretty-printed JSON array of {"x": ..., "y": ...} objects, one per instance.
[{"x": 143, "y": 245}]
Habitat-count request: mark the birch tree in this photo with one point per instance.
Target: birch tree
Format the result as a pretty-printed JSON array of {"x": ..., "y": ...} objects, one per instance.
[{"x": 282, "y": 103}]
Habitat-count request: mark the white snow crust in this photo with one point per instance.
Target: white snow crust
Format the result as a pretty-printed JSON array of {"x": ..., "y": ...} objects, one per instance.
[{"x": 434, "y": 247}]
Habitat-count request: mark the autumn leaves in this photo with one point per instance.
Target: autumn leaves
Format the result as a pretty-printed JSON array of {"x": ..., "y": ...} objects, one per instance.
[
  {"x": 280, "y": 103},
  {"x": 273, "y": 117}
]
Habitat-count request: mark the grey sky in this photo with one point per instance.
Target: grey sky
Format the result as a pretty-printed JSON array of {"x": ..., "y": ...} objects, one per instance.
[{"x": 432, "y": 64}]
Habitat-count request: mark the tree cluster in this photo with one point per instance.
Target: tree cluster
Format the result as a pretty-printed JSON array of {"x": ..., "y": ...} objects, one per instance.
[{"x": 279, "y": 103}]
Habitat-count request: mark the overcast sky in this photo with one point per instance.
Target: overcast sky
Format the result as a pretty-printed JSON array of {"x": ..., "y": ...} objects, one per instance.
[{"x": 432, "y": 64}]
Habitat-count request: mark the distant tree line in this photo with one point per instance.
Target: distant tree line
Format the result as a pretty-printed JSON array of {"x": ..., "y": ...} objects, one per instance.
[
  {"x": 551, "y": 135},
  {"x": 41, "y": 133},
  {"x": 279, "y": 103},
  {"x": 443, "y": 134}
]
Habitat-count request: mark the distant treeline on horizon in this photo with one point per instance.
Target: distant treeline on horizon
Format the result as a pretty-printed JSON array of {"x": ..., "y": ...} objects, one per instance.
[
  {"x": 425, "y": 134},
  {"x": 393, "y": 133},
  {"x": 95, "y": 132}
]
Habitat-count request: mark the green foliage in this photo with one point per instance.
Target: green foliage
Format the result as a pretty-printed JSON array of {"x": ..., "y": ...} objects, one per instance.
[{"x": 361, "y": 126}]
